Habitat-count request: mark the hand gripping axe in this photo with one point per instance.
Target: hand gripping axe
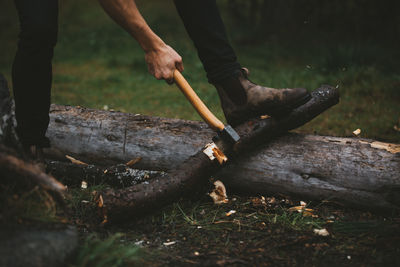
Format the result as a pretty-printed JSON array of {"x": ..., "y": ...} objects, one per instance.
[{"x": 225, "y": 132}]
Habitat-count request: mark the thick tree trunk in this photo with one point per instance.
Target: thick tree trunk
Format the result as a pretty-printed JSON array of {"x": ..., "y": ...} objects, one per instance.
[{"x": 360, "y": 173}]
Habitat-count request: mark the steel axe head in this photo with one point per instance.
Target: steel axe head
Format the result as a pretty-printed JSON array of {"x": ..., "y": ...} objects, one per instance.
[{"x": 228, "y": 134}]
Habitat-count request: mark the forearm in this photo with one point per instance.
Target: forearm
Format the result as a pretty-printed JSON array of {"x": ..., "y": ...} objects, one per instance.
[{"x": 127, "y": 15}]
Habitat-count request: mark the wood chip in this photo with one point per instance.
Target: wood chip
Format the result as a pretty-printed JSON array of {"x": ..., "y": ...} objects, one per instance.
[
  {"x": 169, "y": 243},
  {"x": 357, "y": 132},
  {"x": 229, "y": 213},
  {"x": 133, "y": 161},
  {"x": 219, "y": 155},
  {"x": 213, "y": 152},
  {"x": 305, "y": 211},
  {"x": 75, "y": 161},
  {"x": 392, "y": 148}
]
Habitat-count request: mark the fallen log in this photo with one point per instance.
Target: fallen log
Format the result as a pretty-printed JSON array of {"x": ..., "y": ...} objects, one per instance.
[
  {"x": 360, "y": 173},
  {"x": 193, "y": 172}
]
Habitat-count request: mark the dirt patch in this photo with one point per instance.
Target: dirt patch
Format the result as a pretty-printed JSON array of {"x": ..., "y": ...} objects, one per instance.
[{"x": 263, "y": 232}]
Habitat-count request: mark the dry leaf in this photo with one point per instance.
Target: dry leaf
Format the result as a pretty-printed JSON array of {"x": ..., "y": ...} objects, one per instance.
[
  {"x": 219, "y": 193},
  {"x": 133, "y": 162},
  {"x": 75, "y": 161},
  {"x": 321, "y": 232}
]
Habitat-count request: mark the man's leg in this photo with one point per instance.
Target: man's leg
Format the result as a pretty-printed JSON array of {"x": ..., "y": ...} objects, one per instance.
[
  {"x": 240, "y": 98},
  {"x": 205, "y": 27},
  {"x": 32, "y": 69}
]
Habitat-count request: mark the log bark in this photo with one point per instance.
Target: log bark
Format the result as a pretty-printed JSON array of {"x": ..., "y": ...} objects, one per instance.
[
  {"x": 356, "y": 172},
  {"x": 193, "y": 172}
]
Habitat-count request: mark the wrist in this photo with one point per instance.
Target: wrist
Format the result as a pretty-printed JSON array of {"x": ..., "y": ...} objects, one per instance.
[{"x": 149, "y": 41}]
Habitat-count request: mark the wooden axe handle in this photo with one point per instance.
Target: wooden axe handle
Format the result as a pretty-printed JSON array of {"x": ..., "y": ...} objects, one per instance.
[{"x": 196, "y": 102}]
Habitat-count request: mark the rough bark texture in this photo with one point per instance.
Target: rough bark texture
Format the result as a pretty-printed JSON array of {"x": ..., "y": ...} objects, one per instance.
[
  {"x": 356, "y": 172},
  {"x": 108, "y": 138},
  {"x": 348, "y": 170},
  {"x": 193, "y": 172}
]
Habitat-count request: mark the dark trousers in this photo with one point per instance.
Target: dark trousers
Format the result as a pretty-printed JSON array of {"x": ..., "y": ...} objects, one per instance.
[
  {"x": 32, "y": 69},
  {"x": 205, "y": 27}
]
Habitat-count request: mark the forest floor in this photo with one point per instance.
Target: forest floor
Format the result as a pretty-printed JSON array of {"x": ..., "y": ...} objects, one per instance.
[
  {"x": 263, "y": 231},
  {"x": 98, "y": 65},
  {"x": 248, "y": 230}
]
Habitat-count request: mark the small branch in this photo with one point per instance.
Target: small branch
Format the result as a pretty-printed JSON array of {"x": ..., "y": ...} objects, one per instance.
[{"x": 11, "y": 164}]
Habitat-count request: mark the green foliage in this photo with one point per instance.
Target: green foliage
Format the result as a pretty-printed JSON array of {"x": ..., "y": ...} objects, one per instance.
[
  {"x": 96, "y": 64},
  {"x": 104, "y": 252}
]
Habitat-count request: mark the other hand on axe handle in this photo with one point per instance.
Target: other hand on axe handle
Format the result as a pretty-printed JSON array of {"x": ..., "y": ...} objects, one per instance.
[{"x": 225, "y": 132}]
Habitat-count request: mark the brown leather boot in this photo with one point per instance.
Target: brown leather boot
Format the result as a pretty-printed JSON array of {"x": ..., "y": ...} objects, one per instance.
[{"x": 256, "y": 100}]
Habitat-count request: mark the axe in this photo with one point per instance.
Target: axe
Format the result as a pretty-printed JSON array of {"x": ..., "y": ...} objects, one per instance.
[{"x": 225, "y": 132}]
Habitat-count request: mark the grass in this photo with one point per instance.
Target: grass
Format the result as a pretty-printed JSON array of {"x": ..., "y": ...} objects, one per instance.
[
  {"x": 81, "y": 203},
  {"x": 200, "y": 232},
  {"x": 97, "y": 64},
  {"x": 109, "y": 251}
]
